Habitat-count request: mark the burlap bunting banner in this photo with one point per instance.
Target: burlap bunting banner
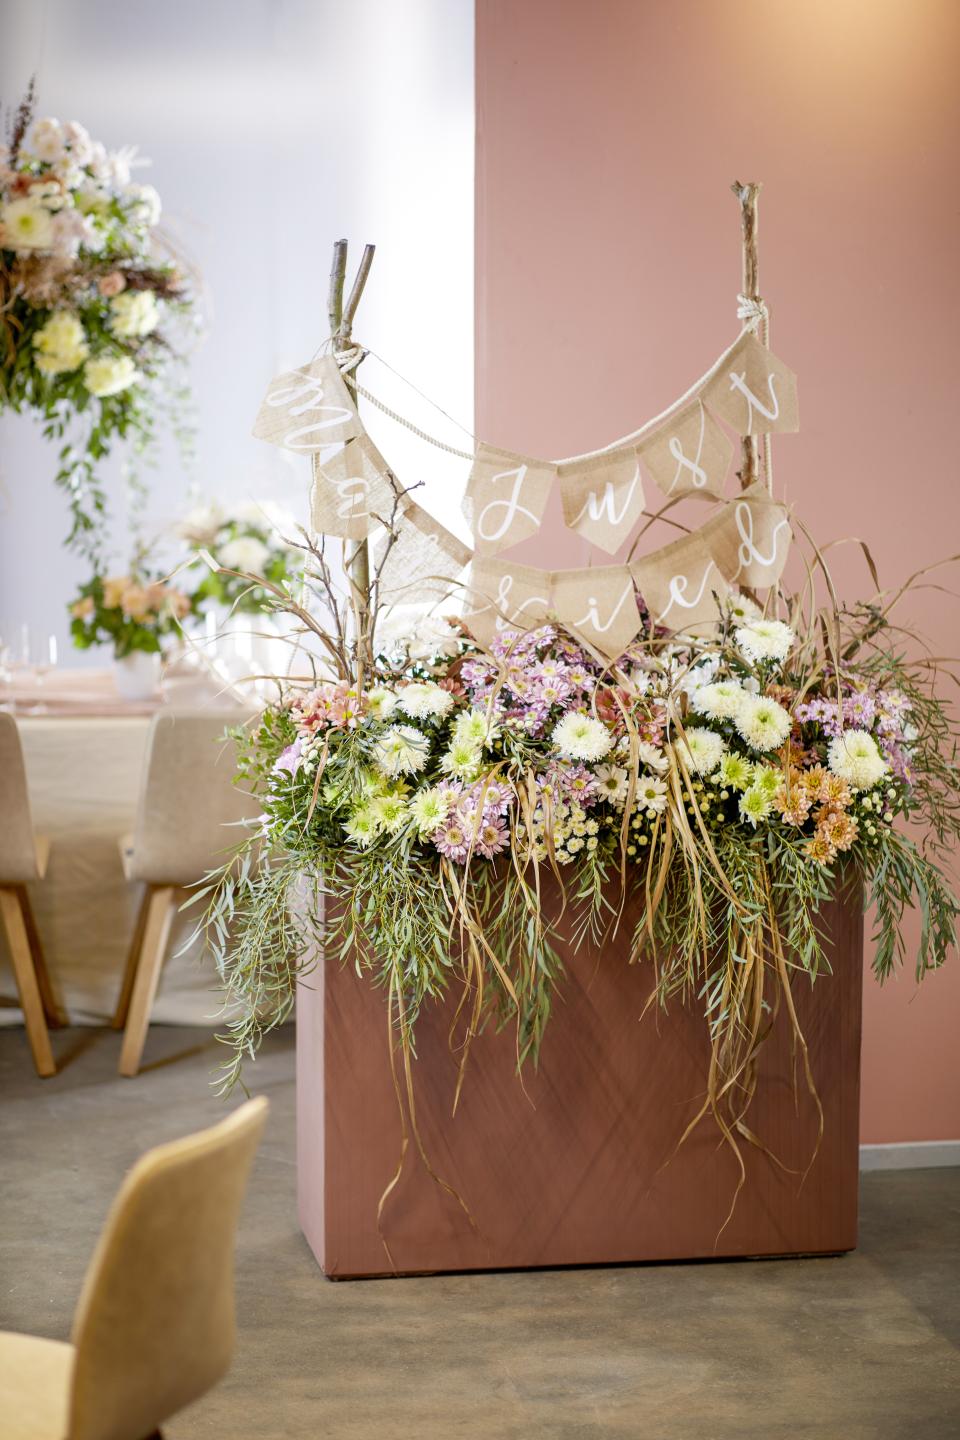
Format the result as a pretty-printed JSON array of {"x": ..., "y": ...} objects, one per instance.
[
  {"x": 750, "y": 538},
  {"x": 680, "y": 583},
  {"x": 603, "y": 498},
  {"x": 690, "y": 455},
  {"x": 754, "y": 391},
  {"x": 308, "y": 409},
  {"x": 352, "y": 489},
  {"x": 502, "y": 596},
  {"x": 424, "y": 563},
  {"x": 505, "y": 498},
  {"x": 599, "y": 605}
]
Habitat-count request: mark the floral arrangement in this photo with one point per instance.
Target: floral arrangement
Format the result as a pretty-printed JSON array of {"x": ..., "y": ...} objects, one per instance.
[
  {"x": 131, "y": 612},
  {"x": 84, "y": 296},
  {"x": 420, "y": 793},
  {"x": 246, "y": 539}
]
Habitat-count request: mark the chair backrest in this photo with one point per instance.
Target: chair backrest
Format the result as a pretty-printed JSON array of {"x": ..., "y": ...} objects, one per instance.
[
  {"x": 187, "y": 798},
  {"x": 18, "y": 850},
  {"x": 154, "y": 1327}
]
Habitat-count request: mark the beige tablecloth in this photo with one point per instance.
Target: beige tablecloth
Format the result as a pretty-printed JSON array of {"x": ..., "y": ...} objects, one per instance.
[{"x": 84, "y": 777}]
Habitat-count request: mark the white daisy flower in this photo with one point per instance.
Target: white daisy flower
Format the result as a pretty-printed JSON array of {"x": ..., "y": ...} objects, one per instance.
[
  {"x": 762, "y": 722},
  {"x": 741, "y": 608},
  {"x": 854, "y": 756},
  {"x": 701, "y": 749},
  {"x": 764, "y": 640},
  {"x": 651, "y": 756},
  {"x": 651, "y": 794},
  {"x": 424, "y": 699},
  {"x": 401, "y": 750},
  {"x": 580, "y": 737},
  {"x": 613, "y": 782}
]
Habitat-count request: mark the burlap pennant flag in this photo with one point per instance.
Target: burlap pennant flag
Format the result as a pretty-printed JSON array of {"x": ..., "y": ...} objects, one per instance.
[
  {"x": 754, "y": 391},
  {"x": 424, "y": 562},
  {"x": 307, "y": 409},
  {"x": 603, "y": 498},
  {"x": 503, "y": 596},
  {"x": 599, "y": 605},
  {"x": 679, "y": 584},
  {"x": 352, "y": 488},
  {"x": 750, "y": 538},
  {"x": 505, "y": 498},
  {"x": 690, "y": 455}
]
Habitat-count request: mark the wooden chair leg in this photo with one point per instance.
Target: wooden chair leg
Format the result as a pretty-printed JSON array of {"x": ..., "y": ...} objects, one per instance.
[
  {"x": 161, "y": 905},
  {"x": 56, "y": 1015},
  {"x": 26, "y": 977},
  {"x": 133, "y": 959}
]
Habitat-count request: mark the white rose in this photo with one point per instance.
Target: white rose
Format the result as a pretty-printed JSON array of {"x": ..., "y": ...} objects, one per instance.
[
  {"x": 109, "y": 374},
  {"x": 61, "y": 345},
  {"x": 133, "y": 314},
  {"x": 46, "y": 140},
  {"x": 244, "y": 553},
  {"x": 145, "y": 204},
  {"x": 200, "y": 525}
]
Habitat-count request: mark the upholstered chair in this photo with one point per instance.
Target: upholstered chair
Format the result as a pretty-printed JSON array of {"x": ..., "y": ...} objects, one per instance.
[
  {"x": 23, "y": 860},
  {"x": 154, "y": 1327},
  {"x": 188, "y": 819}
]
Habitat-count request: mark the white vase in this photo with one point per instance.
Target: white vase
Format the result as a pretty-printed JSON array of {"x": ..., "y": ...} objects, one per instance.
[{"x": 137, "y": 676}]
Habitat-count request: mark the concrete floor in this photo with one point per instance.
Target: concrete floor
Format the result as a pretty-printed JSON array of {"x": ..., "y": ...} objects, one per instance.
[{"x": 864, "y": 1347}]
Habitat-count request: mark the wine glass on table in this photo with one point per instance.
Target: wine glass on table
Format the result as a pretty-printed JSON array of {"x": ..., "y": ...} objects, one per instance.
[{"x": 42, "y": 658}]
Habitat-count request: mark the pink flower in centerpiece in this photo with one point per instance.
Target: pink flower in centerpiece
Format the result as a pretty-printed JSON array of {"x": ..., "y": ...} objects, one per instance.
[
  {"x": 492, "y": 837},
  {"x": 111, "y": 284},
  {"x": 453, "y": 838}
]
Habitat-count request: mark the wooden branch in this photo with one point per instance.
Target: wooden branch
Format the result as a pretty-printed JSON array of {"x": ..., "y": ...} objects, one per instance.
[
  {"x": 338, "y": 273},
  {"x": 748, "y": 195},
  {"x": 350, "y": 309}
]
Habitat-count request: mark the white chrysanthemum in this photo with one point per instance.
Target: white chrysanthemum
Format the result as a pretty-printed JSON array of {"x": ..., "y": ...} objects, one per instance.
[
  {"x": 390, "y": 812},
  {"x": 476, "y": 727},
  {"x": 424, "y": 700},
  {"x": 362, "y": 827},
  {"x": 736, "y": 772},
  {"x": 613, "y": 782},
  {"x": 651, "y": 794},
  {"x": 701, "y": 749},
  {"x": 854, "y": 756},
  {"x": 401, "y": 750},
  {"x": 430, "y": 808},
  {"x": 133, "y": 314},
  {"x": 762, "y": 722},
  {"x": 109, "y": 374},
  {"x": 719, "y": 701},
  {"x": 741, "y": 608},
  {"x": 381, "y": 702},
  {"x": 651, "y": 756},
  {"x": 26, "y": 225},
  {"x": 462, "y": 760},
  {"x": 581, "y": 737},
  {"x": 244, "y": 553},
  {"x": 764, "y": 640},
  {"x": 755, "y": 805}
]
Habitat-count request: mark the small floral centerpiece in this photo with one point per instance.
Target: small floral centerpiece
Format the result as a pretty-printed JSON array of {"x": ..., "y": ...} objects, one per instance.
[
  {"x": 85, "y": 298},
  {"x": 246, "y": 538},
  {"x": 731, "y": 782},
  {"x": 133, "y": 613}
]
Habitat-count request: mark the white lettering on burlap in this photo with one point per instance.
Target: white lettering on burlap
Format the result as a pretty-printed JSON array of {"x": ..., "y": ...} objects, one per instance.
[
  {"x": 678, "y": 587},
  {"x": 597, "y": 506},
  {"x": 511, "y": 505},
  {"x": 592, "y": 617},
  {"x": 739, "y": 382},
  {"x": 748, "y": 552},
  {"x": 511, "y": 616},
  {"x": 303, "y": 398},
  {"x": 698, "y": 474}
]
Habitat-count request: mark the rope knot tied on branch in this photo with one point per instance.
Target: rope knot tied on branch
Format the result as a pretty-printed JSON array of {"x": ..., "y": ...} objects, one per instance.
[{"x": 752, "y": 310}]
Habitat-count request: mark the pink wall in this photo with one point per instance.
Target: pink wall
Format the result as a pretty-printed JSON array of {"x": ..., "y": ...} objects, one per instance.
[{"x": 608, "y": 259}]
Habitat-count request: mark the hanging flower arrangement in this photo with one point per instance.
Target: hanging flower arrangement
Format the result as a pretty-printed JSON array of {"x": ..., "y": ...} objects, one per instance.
[{"x": 87, "y": 296}]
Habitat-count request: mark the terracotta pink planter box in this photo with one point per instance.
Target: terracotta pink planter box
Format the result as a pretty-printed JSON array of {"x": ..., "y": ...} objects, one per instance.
[{"x": 576, "y": 1165}]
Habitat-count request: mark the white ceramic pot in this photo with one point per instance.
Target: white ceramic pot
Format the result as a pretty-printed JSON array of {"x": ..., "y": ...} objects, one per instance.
[{"x": 137, "y": 676}]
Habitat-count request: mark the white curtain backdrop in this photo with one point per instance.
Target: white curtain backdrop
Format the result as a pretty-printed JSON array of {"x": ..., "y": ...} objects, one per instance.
[{"x": 274, "y": 127}]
